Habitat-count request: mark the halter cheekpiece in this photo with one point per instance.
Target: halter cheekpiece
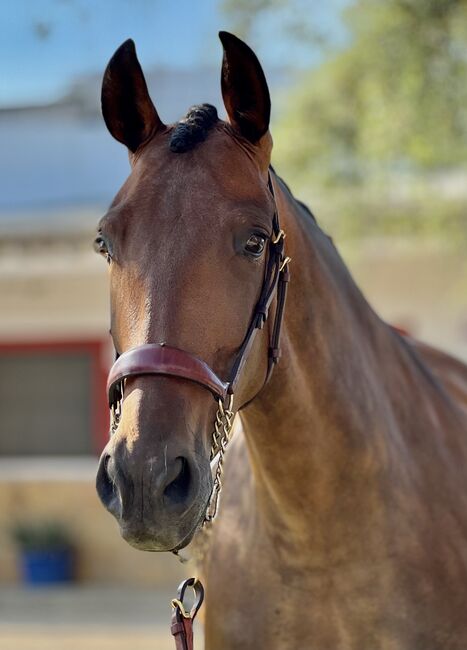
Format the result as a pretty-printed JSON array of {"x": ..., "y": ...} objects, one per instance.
[{"x": 162, "y": 359}]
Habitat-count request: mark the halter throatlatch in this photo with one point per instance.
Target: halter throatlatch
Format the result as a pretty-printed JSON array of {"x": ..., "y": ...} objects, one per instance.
[{"x": 162, "y": 359}]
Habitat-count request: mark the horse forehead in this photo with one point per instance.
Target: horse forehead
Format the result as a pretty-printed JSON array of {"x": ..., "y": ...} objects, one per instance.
[{"x": 220, "y": 167}]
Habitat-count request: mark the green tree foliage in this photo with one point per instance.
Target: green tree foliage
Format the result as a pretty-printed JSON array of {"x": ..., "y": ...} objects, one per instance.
[{"x": 393, "y": 98}]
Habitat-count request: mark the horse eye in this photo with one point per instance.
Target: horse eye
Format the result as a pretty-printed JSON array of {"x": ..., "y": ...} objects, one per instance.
[
  {"x": 100, "y": 247},
  {"x": 255, "y": 245}
]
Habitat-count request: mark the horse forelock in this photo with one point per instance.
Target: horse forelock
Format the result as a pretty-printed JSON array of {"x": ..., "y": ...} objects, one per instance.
[{"x": 193, "y": 128}]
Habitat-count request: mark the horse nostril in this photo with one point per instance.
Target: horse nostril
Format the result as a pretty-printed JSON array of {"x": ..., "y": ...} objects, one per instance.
[
  {"x": 106, "y": 487},
  {"x": 177, "y": 490}
]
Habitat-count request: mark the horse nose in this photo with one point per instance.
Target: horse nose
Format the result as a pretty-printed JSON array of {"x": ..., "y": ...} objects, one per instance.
[
  {"x": 161, "y": 484},
  {"x": 107, "y": 487},
  {"x": 176, "y": 485}
]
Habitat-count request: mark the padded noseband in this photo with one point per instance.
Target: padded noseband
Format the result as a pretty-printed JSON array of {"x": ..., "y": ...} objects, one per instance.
[{"x": 161, "y": 359}]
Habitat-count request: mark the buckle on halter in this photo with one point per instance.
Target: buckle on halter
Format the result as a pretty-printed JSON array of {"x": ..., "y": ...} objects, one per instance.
[
  {"x": 284, "y": 263},
  {"x": 280, "y": 235}
]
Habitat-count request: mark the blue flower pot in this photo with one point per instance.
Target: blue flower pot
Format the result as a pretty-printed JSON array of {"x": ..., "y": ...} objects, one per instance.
[{"x": 47, "y": 567}]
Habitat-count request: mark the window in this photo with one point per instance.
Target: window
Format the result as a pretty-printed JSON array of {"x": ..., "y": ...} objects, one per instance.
[{"x": 52, "y": 399}]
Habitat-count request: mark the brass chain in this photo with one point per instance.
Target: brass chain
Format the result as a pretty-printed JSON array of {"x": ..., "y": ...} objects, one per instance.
[
  {"x": 220, "y": 439},
  {"x": 221, "y": 436}
]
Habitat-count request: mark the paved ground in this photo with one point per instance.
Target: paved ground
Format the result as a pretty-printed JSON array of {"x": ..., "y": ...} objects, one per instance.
[{"x": 86, "y": 618}]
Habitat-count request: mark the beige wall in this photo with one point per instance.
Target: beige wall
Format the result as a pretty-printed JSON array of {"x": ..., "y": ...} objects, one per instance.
[
  {"x": 56, "y": 288},
  {"x": 422, "y": 287}
]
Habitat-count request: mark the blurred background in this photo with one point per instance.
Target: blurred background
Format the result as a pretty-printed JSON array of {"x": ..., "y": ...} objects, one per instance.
[{"x": 370, "y": 129}]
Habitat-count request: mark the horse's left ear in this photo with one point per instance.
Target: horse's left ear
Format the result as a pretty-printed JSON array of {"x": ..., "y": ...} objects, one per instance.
[{"x": 244, "y": 88}]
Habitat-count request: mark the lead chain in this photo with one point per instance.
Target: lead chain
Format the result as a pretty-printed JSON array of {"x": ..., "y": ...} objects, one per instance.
[{"x": 220, "y": 439}]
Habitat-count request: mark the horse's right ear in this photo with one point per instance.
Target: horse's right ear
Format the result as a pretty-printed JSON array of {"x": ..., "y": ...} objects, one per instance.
[{"x": 127, "y": 108}]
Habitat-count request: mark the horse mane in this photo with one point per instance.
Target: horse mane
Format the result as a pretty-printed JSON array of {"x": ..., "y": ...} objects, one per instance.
[{"x": 193, "y": 128}]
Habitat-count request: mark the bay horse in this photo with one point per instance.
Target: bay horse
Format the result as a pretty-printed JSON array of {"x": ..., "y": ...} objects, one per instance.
[{"x": 343, "y": 517}]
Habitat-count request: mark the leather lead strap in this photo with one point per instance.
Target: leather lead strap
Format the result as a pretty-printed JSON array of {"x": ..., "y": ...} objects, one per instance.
[{"x": 182, "y": 631}]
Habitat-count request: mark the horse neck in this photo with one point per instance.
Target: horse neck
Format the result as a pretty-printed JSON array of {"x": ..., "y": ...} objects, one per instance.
[{"x": 312, "y": 433}]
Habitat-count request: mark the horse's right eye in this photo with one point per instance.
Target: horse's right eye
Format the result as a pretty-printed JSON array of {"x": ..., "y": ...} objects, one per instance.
[{"x": 100, "y": 246}]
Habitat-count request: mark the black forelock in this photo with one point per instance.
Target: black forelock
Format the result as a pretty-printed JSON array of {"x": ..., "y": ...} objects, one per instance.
[{"x": 193, "y": 128}]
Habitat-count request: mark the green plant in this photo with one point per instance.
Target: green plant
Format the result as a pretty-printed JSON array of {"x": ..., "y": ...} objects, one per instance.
[{"x": 34, "y": 536}]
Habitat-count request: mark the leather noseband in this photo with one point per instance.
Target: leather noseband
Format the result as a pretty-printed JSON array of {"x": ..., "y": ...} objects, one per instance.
[{"x": 161, "y": 359}]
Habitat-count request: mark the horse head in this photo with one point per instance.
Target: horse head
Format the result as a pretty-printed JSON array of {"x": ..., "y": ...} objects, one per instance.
[{"x": 188, "y": 241}]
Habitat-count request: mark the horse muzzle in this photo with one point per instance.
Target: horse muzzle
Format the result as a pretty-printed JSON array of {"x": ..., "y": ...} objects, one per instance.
[{"x": 159, "y": 502}]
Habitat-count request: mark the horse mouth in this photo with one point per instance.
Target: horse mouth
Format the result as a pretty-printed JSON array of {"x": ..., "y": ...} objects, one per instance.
[
  {"x": 173, "y": 539},
  {"x": 145, "y": 541}
]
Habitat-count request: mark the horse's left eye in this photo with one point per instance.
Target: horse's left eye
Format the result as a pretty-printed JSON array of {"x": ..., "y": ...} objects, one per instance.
[{"x": 255, "y": 245}]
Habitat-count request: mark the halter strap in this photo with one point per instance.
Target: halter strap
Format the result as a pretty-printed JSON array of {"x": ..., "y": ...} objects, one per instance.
[{"x": 275, "y": 283}]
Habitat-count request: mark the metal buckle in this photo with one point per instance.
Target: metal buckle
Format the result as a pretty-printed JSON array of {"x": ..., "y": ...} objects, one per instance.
[
  {"x": 280, "y": 235},
  {"x": 284, "y": 263}
]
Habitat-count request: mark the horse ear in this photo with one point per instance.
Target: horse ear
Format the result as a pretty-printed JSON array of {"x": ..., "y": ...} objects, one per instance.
[
  {"x": 127, "y": 108},
  {"x": 244, "y": 88}
]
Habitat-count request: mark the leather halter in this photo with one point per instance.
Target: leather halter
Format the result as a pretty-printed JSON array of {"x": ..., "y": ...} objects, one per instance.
[{"x": 161, "y": 359}]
